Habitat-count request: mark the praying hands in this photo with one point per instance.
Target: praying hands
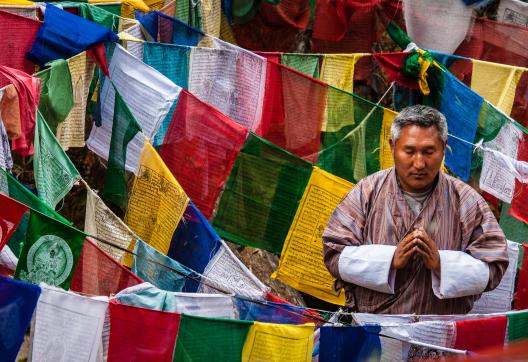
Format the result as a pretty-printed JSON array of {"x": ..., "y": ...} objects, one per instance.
[{"x": 418, "y": 242}]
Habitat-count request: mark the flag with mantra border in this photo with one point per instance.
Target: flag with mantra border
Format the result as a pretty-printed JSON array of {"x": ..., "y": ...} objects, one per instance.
[
  {"x": 55, "y": 173},
  {"x": 50, "y": 252},
  {"x": 11, "y": 213}
]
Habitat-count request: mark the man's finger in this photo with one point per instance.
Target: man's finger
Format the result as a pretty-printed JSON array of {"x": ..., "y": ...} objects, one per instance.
[
  {"x": 409, "y": 245},
  {"x": 424, "y": 246}
]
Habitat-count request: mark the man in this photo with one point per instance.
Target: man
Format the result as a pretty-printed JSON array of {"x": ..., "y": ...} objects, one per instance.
[{"x": 411, "y": 239}]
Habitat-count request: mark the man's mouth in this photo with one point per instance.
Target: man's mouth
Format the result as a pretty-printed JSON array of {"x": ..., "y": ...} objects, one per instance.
[{"x": 418, "y": 175}]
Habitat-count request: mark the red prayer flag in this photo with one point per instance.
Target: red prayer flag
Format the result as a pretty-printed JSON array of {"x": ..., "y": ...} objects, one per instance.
[
  {"x": 293, "y": 111},
  {"x": 28, "y": 89},
  {"x": 141, "y": 334},
  {"x": 11, "y": 213},
  {"x": 521, "y": 292},
  {"x": 200, "y": 148},
  {"x": 97, "y": 273},
  {"x": 479, "y": 334},
  {"x": 18, "y": 34},
  {"x": 392, "y": 63}
]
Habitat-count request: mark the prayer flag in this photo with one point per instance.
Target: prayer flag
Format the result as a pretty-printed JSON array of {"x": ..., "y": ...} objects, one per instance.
[
  {"x": 351, "y": 343},
  {"x": 17, "y": 303},
  {"x": 207, "y": 142},
  {"x": 124, "y": 129},
  {"x": 56, "y": 94},
  {"x": 521, "y": 292},
  {"x": 261, "y": 196},
  {"x": 350, "y": 145},
  {"x": 6, "y": 159},
  {"x": 301, "y": 265},
  {"x": 15, "y": 43},
  {"x": 225, "y": 339},
  {"x": 55, "y": 173},
  {"x": 101, "y": 222},
  {"x": 519, "y": 206},
  {"x": 231, "y": 80},
  {"x": 97, "y": 273},
  {"x": 148, "y": 335},
  {"x": 50, "y": 252},
  {"x": 303, "y": 63},
  {"x": 64, "y": 35},
  {"x": 194, "y": 243},
  {"x": 386, "y": 159},
  {"x": 11, "y": 214},
  {"x": 157, "y": 203},
  {"x": 158, "y": 269},
  {"x": 170, "y": 60},
  {"x": 514, "y": 229},
  {"x": 196, "y": 304},
  {"x": 496, "y": 83},
  {"x": 479, "y": 334},
  {"x": 12, "y": 187},
  {"x": 279, "y": 342},
  {"x": 517, "y": 326},
  {"x": 70, "y": 133},
  {"x": 226, "y": 273},
  {"x": 67, "y": 326},
  {"x": 461, "y": 107},
  {"x": 139, "y": 85},
  {"x": 338, "y": 70},
  {"x": 293, "y": 111},
  {"x": 271, "y": 311},
  {"x": 28, "y": 91}
]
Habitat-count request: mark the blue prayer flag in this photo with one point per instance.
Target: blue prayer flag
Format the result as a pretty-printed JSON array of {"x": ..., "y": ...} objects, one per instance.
[
  {"x": 194, "y": 243},
  {"x": 351, "y": 344},
  {"x": 64, "y": 35},
  {"x": 170, "y": 60},
  {"x": 461, "y": 107},
  {"x": 17, "y": 302}
]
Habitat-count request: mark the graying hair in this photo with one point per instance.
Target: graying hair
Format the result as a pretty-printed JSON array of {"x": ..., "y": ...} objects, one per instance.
[{"x": 422, "y": 116}]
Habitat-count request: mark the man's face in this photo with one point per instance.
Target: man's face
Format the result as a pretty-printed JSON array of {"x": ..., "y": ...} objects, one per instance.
[{"x": 418, "y": 155}]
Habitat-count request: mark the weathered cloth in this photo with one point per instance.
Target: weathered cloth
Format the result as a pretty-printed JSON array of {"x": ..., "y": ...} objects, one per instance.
[{"x": 456, "y": 217}]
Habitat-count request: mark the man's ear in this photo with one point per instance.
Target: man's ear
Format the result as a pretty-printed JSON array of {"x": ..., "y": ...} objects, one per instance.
[{"x": 391, "y": 143}]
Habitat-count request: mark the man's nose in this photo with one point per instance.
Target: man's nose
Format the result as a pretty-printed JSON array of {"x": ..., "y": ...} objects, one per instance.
[{"x": 418, "y": 162}]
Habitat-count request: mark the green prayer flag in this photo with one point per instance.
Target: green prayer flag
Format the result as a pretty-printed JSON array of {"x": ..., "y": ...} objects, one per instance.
[
  {"x": 50, "y": 252},
  {"x": 124, "y": 129},
  {"x": 14, "y": 189},
  {"x": 304, "y": 63},
  {"x": 224, "y": 339},
  {"x": 351, "y": 142},
  {"x": 514, "y": 229},
  {"x": 100, "y": 16},
  {"x": 190, "y": 12},
  {"x": 55, "y": 174},
  {"x": 261, "y": 195},
  {"x": 517, "y": 326},
  {"x": 56, "y": 96}
]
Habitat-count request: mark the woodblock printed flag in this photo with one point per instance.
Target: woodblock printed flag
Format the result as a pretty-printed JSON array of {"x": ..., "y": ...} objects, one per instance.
[
  {"x": 50, "y": 252},
  {"x": 261, "y": 196},
  {"x": 301, "y": 265}
]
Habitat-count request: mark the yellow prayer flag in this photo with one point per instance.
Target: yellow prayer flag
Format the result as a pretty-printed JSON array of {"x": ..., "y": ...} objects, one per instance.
[
  {"x": 17, "y": 2},
  {"x": 211, "y": 17},
  {"x": 497, "y": 83},
  {"x": 301, "y": 264},
  {"x": 279, "y": 342},
  {"x": 156, "y": 204},
  {"x": 70, "y": 133},
  {"x": 338, "y": 70},
  {"x": 386, "y": 159}
]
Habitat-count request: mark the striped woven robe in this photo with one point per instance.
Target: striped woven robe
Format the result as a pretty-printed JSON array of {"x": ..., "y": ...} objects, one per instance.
[{"x": 364, "y": 229}]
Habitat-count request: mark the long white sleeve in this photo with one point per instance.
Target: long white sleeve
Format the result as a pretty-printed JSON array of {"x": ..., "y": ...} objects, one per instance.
[
  {"x": 368, "y": 266},
  {"x": 460, "y": 275}
]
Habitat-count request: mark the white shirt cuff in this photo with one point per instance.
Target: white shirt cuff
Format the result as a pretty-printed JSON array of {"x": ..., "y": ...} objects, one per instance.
[
  {"x": 460, "y": 275},
  {"x": 368, "y": 266}
]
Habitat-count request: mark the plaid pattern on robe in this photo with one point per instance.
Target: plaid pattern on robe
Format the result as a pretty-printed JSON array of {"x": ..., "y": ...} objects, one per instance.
[{"x": 375, "y": 212}]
